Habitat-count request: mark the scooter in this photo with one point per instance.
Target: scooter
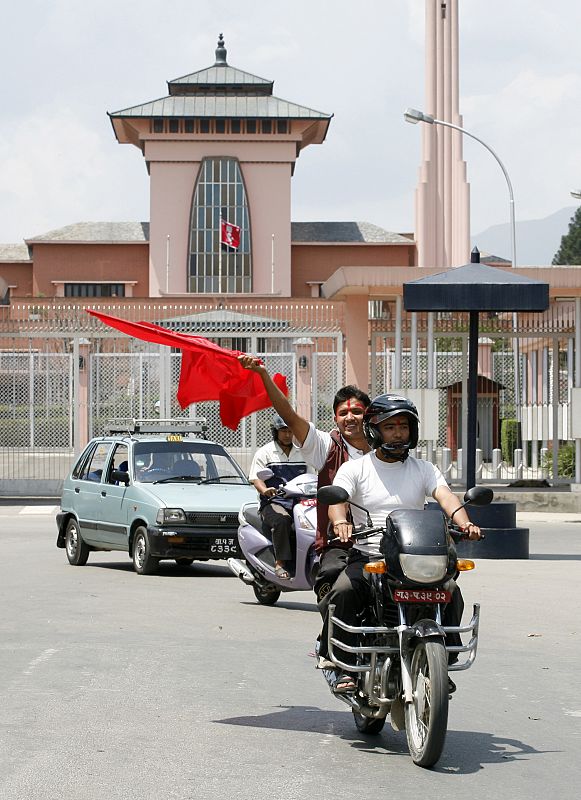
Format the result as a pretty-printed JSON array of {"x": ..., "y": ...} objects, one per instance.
[{"x": 256, "y": 568}]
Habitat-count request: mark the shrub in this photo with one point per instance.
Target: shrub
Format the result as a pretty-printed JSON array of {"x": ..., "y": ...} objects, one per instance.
[
  {"x": 509, "y": 439},
  {"x": 565, "y": 460}
]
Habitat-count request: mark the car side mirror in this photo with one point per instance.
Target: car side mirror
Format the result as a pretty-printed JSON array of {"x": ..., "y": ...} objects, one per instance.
[{"x": 120, "y": 476}]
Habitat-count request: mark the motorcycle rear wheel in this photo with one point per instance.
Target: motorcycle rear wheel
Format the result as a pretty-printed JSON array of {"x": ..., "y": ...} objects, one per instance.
[
  {"x": 264, "y": 596},
  {"x": 426, "y": 717},
  {"x": 368, "y": 725}
]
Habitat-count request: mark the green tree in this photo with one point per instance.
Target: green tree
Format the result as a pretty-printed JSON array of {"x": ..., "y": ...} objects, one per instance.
[{"x": 570, "y": 250}]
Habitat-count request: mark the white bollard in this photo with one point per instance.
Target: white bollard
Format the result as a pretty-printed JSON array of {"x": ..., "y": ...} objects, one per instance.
[
  {"x": 496, "y": 462},
  {"x": 544, "y": 461},
  {"x": 459, "y": 463},
  {"x": 478, "y": 465},
  {"x": 517, "y": 461},
  {"x": 446, "y": 463}
]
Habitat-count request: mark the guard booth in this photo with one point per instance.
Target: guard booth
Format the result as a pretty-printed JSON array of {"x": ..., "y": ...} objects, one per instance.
[{"x": 487, "y": 416}]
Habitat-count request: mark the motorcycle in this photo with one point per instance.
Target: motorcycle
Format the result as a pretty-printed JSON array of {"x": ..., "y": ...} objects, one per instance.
[
  {"x": 402, "y": 658},
  {"x": 256, "y": 569}
]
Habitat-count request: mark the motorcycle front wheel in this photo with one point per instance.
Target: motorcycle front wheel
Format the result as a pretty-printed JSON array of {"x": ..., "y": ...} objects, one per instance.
[
  {"x": 426, "y": 717},
  {"x": 368, "y": 725}
]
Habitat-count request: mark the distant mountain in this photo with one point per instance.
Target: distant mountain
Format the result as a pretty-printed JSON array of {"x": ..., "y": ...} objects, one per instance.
[{"x": 537, "y": 240}]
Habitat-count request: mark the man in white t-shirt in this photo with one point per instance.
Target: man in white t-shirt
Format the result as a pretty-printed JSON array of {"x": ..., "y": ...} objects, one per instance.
[
  {"x": 385, "y": 479},
  {"x": 285, "y": 461}
]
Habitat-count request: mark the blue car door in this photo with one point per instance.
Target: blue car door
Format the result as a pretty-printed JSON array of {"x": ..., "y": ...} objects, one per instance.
[
  {"x": 87, "y": 491},
  {"x": 114, "y": 501}
]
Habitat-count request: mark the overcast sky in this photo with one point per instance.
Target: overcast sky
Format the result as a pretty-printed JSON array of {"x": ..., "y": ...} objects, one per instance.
[{"x": 65, "y": 63}]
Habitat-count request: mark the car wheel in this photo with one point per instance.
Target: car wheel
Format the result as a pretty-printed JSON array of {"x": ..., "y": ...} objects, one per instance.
[
  {"x": 143, "y": 562},
  {"x": 76, "y": 548},
  {"x": 184, "y": 562}
]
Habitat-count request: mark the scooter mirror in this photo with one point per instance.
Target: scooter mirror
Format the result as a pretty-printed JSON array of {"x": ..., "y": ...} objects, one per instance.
[
  {"x": 479, "y": 496},
  {"x": 331, "y": 495},
  {"x": 264, "y": 474}
]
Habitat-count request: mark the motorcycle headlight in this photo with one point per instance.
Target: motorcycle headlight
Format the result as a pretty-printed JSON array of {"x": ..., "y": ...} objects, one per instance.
[
  {"x": 423, "y": 569},
  {"x": 169, "y": 516}
]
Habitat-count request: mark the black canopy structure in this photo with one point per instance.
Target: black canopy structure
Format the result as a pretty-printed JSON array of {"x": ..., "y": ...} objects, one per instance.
[{"x": 473, "y": 288}]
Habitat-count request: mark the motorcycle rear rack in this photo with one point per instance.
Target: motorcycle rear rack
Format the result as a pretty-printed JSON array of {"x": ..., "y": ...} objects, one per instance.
[{"x": 375, "y": 650}]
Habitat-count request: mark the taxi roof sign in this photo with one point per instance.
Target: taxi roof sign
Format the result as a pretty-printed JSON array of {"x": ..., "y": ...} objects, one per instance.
[{"x": 134, "y": 427}]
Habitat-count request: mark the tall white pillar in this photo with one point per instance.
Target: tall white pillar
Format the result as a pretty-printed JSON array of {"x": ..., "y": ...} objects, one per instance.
[{"x": 442, "y": 194}]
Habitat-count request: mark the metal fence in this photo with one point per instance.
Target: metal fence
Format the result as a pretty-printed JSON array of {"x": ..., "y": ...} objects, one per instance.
[
  {"x": 61, "y": 387},
  {"x": 63, "y": 375}
]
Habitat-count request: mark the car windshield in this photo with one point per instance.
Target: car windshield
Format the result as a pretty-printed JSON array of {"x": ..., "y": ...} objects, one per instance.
[{"x": 185, "y": 461}]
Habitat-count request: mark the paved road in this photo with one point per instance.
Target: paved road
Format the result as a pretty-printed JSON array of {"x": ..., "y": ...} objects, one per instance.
[{"x": 179, "y": 685}]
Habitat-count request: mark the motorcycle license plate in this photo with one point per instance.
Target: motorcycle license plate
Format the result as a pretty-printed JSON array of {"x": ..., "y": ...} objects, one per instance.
[{"x": 422, "y": 595}]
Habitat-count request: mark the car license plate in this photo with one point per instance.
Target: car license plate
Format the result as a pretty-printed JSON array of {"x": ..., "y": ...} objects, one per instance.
[
  {"x": 422, "y": 595},
  {"x": 225, "y": 546}
]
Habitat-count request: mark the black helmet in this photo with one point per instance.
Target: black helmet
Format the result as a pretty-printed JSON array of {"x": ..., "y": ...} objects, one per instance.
[
  {"x": 383, "y": 407},
  {"x": 276, "y": 425}
]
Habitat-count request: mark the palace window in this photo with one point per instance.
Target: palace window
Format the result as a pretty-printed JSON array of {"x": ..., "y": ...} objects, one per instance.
[
  {"x": 219, "y": 194},
  {"x": 94, "y": 290}
]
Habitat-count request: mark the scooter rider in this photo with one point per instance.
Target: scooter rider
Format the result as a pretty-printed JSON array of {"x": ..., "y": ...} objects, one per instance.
[
  {"x": 326, "y": 451},
  {"x": 385, "y": 479},
  {"x": 286, "y": 461}
]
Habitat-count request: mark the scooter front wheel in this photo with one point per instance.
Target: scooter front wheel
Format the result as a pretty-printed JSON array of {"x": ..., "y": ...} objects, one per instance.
[
  {"x": 266, "y": 595},
  {"x": 426, "y": 717}
]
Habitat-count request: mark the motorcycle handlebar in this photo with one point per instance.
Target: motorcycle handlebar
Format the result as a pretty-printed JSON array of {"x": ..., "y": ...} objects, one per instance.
[
  {"x": 459, "y": 536},
  {"x": 456, "y": 533},
  {"x": 359, "y": 533}
]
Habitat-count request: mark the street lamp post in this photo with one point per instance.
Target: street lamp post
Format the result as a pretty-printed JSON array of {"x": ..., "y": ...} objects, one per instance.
[{"x": 414, "y": 116}]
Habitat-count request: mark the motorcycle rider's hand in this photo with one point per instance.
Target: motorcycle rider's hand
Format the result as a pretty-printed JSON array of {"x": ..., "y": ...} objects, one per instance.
[
  {"x": 471, "y": 531},
  {"x": 343, "y": 530},
  {"x": 269, "y": 492}
]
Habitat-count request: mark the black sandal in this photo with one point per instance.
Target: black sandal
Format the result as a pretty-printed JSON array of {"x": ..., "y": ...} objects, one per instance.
[
  {"x": 281, "y": 573},
  {"x": 345, "y": 684}
]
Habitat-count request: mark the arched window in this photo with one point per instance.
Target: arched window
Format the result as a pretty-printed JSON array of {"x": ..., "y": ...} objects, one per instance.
[{"x": 219, "y": 194}]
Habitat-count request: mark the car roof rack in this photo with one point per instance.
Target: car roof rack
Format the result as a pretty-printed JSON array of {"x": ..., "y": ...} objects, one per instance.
[{"x": 136, "y": 427}]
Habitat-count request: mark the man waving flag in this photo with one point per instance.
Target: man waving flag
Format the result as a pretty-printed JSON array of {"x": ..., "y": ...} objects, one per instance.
[
  {"x": 208, "y": 372},
  {"x": 229, "y": 234}
]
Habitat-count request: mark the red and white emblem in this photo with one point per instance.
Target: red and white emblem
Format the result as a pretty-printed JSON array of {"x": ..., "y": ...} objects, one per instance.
[{"x": 229, "y": 234}]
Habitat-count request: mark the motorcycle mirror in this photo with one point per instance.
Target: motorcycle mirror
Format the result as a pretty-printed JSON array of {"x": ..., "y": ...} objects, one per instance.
[
  {"x": 476, "y": 496},
  {"x": 479, "y": 496},
  {"x": 331, "y": 495},
  {"x": 264, "y": 474}
]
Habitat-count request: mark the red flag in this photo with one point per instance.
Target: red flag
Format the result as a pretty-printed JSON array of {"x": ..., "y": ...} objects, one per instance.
[
  {"x": 208, "y": 372},
  {"x": 229, "y": 234}
]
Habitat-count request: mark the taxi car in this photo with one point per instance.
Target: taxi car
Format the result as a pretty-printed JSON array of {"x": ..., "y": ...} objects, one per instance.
[{"x": 156, "y": 490}]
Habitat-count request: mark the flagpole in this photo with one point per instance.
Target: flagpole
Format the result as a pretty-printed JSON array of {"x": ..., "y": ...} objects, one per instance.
[
  {"x": 167, "y": 265},
  {"x": 272, "y": 266},
  {"x": 220, "y": 258}
]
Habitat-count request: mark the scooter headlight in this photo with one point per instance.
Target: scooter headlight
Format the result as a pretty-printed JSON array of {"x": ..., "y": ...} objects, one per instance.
[
  {"x": 304, "y": 521},
  {"x": 423, "y": 569}
]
